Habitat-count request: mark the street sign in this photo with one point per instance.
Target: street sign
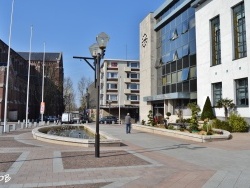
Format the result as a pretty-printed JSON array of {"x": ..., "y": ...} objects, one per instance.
[{"x": 42, "y": 108}]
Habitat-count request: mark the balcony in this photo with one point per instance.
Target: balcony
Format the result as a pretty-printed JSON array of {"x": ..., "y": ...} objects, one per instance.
[
  {"x": 126, "y": 102},
  {"x": 127, "y": 80},
  {"x": 127, "y": 91},
  {"x": 127, "y": 69}
]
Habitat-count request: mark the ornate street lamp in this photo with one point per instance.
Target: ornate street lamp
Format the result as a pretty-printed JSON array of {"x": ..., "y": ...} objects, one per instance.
[{"x": 97, "y": 51}]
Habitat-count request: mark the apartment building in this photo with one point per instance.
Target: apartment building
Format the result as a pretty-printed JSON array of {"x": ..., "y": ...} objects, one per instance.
[
  {"x": 168, "y": 59},
  {"x": 120, "y": 88},
  {"x": 223, "y": 49}
]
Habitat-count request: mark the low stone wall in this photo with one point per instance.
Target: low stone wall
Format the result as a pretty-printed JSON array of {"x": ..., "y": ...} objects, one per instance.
[
  {"x": 105, "y": 139},
  {"x": 183, "y": 135}
]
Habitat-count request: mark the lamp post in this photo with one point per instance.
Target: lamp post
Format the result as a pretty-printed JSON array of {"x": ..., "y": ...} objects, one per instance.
[
  {"x": 109, "y": 102},
  {"x": 97, "y": 51}
]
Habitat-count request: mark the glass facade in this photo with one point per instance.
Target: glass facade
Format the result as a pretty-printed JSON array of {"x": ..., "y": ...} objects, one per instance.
[{"x": 177, "y": 49}]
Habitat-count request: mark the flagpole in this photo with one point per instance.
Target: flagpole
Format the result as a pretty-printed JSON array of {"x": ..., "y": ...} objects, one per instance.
[
  {"x": 28, "y": 84},
  {"x": 7, "y": 75},
  {"x": 43, "y": 81},
  {"x": 120, "y": 100}
]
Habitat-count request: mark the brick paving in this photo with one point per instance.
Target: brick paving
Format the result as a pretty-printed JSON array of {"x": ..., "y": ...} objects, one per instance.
[
  {"x": 7, "y": 160},
  {"x": 143, "y": 160}
]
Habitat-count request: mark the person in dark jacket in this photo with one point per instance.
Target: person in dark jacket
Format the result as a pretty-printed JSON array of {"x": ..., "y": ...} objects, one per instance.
[{"x": 128, "y": 123}]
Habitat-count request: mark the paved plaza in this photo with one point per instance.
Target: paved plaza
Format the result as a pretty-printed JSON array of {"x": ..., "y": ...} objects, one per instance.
[{"x": 143, "y": 160}]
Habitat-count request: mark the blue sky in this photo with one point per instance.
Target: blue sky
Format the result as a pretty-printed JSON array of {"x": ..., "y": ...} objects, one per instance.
[{"x": 70, "y": 26}]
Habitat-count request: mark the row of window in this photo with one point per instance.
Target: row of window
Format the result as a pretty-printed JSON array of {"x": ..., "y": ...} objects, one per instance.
[
  {"x": 239, "y": 35},
  {"x": 129, "y": 97},
  {"x": 179, "y": 76},
  {"x": 178, "y": 40},
  {"x": 129, "y": 64},
  {"x": 129, "y": 75},
  {"x": 185, "y": 86},
  {"x": 241, "y": 91},
  {"x": 129, "y": 86}
]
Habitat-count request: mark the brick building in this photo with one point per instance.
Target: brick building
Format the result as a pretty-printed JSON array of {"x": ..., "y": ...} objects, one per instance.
[{"x": 18, "y": 78}]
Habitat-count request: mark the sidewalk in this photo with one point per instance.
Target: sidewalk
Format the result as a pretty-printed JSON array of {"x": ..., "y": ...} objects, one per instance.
[{"x": 144, "y": 160}]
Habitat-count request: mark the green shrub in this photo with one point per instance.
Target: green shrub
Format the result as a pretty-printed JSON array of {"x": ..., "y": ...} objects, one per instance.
[
  {"x": 206, "y": 127},
  {"x": 238, "y": 123},
  {"x": 171, "y": 127},
  {"x": 219, "y": 124},
  {"x": 207, "y": 111}
]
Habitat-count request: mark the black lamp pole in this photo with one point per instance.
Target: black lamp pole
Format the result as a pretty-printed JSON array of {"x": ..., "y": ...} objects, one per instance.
[
  {"x": 97, "y": 135},
  {"x": 97, "y": 51}
]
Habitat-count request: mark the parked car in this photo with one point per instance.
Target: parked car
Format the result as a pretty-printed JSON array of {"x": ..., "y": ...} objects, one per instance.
[
  {"x": 108, "y": 119},
  {"x": 85, "y": 118},
  {"x": 52, "y": 118}
]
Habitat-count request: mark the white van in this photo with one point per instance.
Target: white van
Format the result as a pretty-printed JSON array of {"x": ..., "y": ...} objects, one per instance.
[{"x": 67, "y": 118}]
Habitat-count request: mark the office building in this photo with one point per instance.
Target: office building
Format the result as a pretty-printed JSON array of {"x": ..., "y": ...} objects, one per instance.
[
  {"x": 168, "y": 59},
  {"x": 223, "y": 49}
]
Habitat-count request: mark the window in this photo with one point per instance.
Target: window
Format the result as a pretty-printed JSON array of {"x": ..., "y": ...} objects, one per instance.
[
  {"x": 217, "y": 92},
  {"x": 240, "y": 47},
  {"x": 174, "y": 35},
  {"x": 185, "y": 73},
  {"x": 112, "y": 64},
  {"x": 175, "y": 56},
  {"x": 192, "y": 73},
  {"x": 133, "y": 97},
  {"x": 164, "y": 80},
  {"x": 132, "y": 75},
  {"x": 185, "y": 26},
  {"x": 241, "y": 92},
  {"x": 185, "y": 50},
  {"x": 179, "y": 73},
  {"x": 111, "y": 86},
  {"x": 133, "y": 86},
  {"x": 174, "y": 77},
  {"x": 112, "y": 97},
  {"x": 216, "y": 45},
  {"x": 169, "y": 79},
  {"x": 133, "y": 64},
  {"x": 112, "y": 74}
]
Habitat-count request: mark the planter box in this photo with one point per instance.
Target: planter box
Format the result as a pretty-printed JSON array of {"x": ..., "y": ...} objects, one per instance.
[{"x": 183, "y": 135}]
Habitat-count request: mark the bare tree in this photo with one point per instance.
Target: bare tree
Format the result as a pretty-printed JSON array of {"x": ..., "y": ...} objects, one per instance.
[
  {"x": 68, "y": 95},
  {"x": 83, "y": 84}
]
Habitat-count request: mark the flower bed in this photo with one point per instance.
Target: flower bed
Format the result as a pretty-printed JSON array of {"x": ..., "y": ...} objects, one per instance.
[{"x": 184, "y": 135}]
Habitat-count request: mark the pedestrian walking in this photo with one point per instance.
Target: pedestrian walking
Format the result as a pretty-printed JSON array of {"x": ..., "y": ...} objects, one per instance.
[
  {"x": 128, "y": 123},
  {"x": 58, "y": 119}
]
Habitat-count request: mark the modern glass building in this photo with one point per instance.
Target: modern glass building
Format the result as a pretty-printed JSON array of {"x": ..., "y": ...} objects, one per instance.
[{"x": 174, "y": 58}]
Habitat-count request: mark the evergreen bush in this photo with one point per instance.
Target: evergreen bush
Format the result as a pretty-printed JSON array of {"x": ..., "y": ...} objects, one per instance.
[
  {"x": 207, "y": 111},
  {"x": 150, "y": 118}
]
